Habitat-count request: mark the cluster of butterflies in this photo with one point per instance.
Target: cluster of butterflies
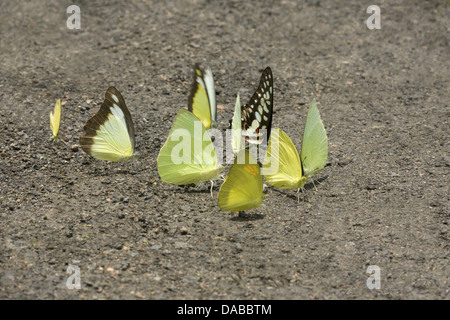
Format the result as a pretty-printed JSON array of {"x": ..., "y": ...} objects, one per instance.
[{"x": 109, "y": 135}]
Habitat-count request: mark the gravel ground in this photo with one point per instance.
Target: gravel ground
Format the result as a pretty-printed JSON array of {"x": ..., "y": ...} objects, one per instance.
[{"x": 383, "y": 198}]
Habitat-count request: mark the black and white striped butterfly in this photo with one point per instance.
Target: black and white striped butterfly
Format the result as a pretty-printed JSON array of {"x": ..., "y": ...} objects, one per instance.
[{"x": 256, "y": 115}]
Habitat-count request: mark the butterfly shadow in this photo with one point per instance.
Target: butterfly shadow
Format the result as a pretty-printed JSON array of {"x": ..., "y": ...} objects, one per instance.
[
  {"x": 197, "y": 188},
  {"x": 114, "y": 169},
  {"x": 307, "y": 187},
  {"x": 287, "y": 193},
  {"x": 311, "y": 185},
  {"x": 243, "y": 216}
]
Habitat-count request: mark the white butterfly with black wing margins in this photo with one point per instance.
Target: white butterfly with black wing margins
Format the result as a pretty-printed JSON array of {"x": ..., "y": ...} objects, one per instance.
[
  {"x": 202, "y": 98},
  {"x": 109, "y": 134}
]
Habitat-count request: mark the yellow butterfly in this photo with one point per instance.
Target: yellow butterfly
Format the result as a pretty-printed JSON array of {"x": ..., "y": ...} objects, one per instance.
[
  {"x": 202, "y": 99},
  {"x": 193, "y": 159},
  {"x": 55, "y": 119},
  {"x": 109, "y": 134},
  {"x": 282, "y": 166},
  {"x": 243, "y": 186}
]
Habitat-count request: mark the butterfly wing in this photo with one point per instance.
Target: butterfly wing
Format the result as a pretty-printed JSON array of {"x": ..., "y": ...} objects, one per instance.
[
  {"x": 236, "y": 137},
  {"x": 55, "y": 119},
  {"x": 257, "y": 114},
  {"x": 109, "y": 134},
  {"x": 202, "y": 99},
  {"x": 281, "y": 166},
  {"x": 191, "y": 160},
  {"x": 315, "y": 143},
  {"x": 210, "y": 89},
  {"x": 243, "y": 186}
]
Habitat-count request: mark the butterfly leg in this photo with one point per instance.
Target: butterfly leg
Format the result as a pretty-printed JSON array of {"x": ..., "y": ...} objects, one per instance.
[
  {"x": 65, "y": 143},
  {"x": 211, "y": 190},
  {"x": 315, "y": 188},
  {"x": 304, "y": 193},
  {"x": 298, "y": 194}
]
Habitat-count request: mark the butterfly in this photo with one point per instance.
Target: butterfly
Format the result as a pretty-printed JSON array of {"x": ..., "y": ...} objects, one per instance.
[
  {"x": 55, "y": 119},
  {"x": 257, "y": 113},
  {"x": 109, "y": 134},
  {"x": 236, "y": 131},
  {"x": 293, "y": 170},
  {"x": 243, "y": 186},
  {"x": 191, "y": 160},
  {"x": 202, "y": 98}
]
